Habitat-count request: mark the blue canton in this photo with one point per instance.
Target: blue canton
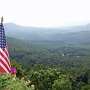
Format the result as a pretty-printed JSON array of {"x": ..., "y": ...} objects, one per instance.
[{"x": 2, "y": 37}]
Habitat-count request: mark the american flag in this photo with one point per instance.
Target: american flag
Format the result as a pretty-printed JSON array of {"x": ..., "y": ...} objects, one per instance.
[{"x": 4, "y": 56}]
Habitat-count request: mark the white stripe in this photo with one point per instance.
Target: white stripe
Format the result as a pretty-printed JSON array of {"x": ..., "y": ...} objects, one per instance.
[
  {"x": 4, "y": 62},
  {"x": 4, "y": 54},
  {"x": 1, "y": 65},
  {"x": 7, "y": 53}
]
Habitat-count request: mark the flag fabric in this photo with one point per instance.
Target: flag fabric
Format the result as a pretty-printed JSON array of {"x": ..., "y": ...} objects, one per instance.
[{"x": 4, "y": 55}]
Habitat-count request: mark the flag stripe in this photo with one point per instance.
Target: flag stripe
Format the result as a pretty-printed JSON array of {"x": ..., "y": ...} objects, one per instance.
[
  {"x": 1, "y": 69},
  {"x": 4, "y": 68},
  {"x": 4, "y": 58},
  {"x": 6, "y": 51},
  {"x": 4, "y": 54},
  {"x": 4, "y": 62}
]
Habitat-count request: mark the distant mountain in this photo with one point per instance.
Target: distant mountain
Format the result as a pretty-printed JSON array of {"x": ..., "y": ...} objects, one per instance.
[
  {"x": 34, "y": 33},
  {"x": 66, "y": 35}
]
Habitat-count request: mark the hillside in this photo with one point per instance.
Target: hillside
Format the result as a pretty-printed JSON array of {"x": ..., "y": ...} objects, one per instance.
[
  {"x": 65, "y": 35},
  {"x": 53, "y": 56}
]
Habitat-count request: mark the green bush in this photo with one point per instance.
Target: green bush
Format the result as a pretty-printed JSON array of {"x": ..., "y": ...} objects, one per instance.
[{"x": 11, "y": 82}]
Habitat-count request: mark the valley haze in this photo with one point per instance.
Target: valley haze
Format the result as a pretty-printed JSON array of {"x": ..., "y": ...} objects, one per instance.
[{"x": 63, "y": 35}]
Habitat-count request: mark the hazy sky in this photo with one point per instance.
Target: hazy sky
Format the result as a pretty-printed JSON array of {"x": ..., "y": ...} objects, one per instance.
[{"x": 45, "y": 13}]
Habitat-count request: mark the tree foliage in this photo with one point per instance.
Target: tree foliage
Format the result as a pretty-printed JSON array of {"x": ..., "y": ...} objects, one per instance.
[{"x": 51, "y": 67}]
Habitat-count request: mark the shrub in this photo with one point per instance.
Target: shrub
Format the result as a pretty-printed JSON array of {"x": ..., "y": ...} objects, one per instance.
[{"x": 11, "y": 82}]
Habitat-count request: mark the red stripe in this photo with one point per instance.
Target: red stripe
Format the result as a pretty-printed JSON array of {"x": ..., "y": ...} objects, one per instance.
[
  {"x": 2, "y": 70},
  {"x": 5, "y": 65},
  {"x": 6, "y": 51},
  {"x": 4, "y": 58}
]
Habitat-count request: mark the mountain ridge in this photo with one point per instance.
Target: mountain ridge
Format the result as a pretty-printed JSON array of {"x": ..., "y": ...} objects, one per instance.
[{"x": 77, "y": 34}]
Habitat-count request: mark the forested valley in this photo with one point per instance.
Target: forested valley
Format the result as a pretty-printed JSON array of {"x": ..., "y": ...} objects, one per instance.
[{"x": 51, "y": 66}]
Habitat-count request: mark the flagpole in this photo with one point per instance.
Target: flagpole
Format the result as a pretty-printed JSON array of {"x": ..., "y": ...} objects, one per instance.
[{"x": 1, "y": 20}]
